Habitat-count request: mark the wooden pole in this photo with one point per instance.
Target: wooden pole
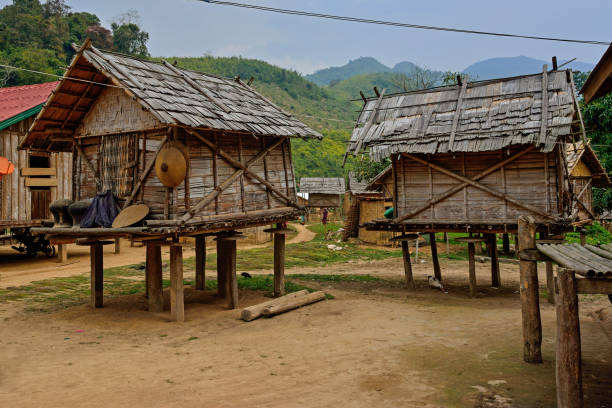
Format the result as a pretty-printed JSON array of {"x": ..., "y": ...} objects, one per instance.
[
  {"x": 62, "y": 253},
  {"x": 155, "y": 294},
  {"x": 569, "y": 360},
  {"x": 446, "y": 240},
  {"x": 506, "y": 243},
  {"x": 434, "y": 256},
  {"x": 230, "y": 273},
  {"x": 495, "y": 274},
  {"x": 117, "y": 246},
  {"x": 407, "y": 265},
  {"x": 97, "y": 275},
  {"x": 472, "y": 269},
  {"x": 583, "y": 237},
  {"x": 530, "y": 302},
  {"x": 200, "y": 262},
  {"x": 279, "y": 265},
  {"x": 177, "y": 296},
  {"x": 221, "y": 278},
  {"x": 550, "y": 282}
]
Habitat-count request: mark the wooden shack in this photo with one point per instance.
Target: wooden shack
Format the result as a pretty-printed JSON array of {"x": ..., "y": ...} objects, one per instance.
[
  {"x": 41, "y": 176},
  {"x": 474, "y": 157},
  {"x": 117, "y": 113},
  {"x": 585, "y": 172},
  {"x": 323, "y": 192}
]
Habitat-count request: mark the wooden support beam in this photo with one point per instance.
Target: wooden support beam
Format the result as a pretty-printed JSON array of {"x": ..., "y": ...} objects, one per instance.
[
  {"x": 200, "y": 262},
  {"x": 568, "y": 353},
  {"x": 117, "y": 246},
  {"x": 544, "y": 114},
  {"x": 177, "y": 296},
  {"x": 594, "y": 286},
  {"x": 480, "y": 186},
  {"x": 279, "y": 264},
  {"x": 155, "y": 294},
  {"x": 550, "y": 283},
  {"x": 505, "y": 243},
  {"x": 364, "y": 131},
  {"x": 145, "y": 173},
  {"x": 451, "y": 139},
  {"x": 232, "y": 280},
  {"x": 79, "y": 149},
  {"x": 221, "y": 269},
  {"x": 461, "y": 186},
  {"x": 530, "y": 302},
  {"x": 407, "y": 265},
  {"x": 472, "y": 270},
  {"x": 62, "y": 253},
  {"x": 434, "y": 256},
  {"x": 495, "y": 273},
  {"x": 583, "y": 240},
  {"x": 97, "y": 275}
]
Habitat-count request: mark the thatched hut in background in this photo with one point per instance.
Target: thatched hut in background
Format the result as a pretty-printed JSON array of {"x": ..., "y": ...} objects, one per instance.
[
  {"x": 232, "y": 161},
  {"x": 40, "y": 176},
  {"x": 323, "y": 192},
  {"x": 585, "y": 172}
]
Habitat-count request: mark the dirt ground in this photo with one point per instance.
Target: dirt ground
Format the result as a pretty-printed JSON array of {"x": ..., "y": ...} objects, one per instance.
[{"x": 375, "y": 344}]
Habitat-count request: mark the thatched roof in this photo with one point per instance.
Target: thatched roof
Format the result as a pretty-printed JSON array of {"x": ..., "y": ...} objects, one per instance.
[
  {"x": 577, "y": 152},
  {"x": 174, "y": 96},
  {"x": 599, "y": 82},
  {"x": 322, "y": 185},
  {"x": 357, "y": 187},
  {"x": 492, "y": 114}
]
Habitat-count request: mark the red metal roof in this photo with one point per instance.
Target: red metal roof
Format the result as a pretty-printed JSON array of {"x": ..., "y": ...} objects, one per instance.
[{"x": 18, "y": 99}]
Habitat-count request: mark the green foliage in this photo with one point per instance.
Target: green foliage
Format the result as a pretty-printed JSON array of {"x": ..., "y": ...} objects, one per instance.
[
  {"x": 130, "y": 39},
  {"x": 596, "y": 235},
  {"x": 366, "y": 169}
]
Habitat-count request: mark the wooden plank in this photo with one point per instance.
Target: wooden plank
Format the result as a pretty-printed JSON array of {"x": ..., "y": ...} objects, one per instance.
[
  {"x": 242, "y": 194},
  {"x": 35, "y": 171},
  {"x": 155, "y": 295},
  {"x": 594, "y": 286},
  {"x": 547, "y": 183},
  {"x": 451, "y": 139},
  {"x": 544, "y": 114},
  {"x": 530, "y": 303},
  {"x": 177, "y": 296},
  {"x": 568, "y": 351},
  {"x": 97, "y": 275},
  {"x": 279, "y": 265},
  {"x": 200, "y": 262},
  {"x": 41, "y": 182}
]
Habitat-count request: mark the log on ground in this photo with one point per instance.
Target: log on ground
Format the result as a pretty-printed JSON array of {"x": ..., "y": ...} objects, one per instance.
[
  {"x": 291, "y": 304},
  {"x": 255, "y": 311}
]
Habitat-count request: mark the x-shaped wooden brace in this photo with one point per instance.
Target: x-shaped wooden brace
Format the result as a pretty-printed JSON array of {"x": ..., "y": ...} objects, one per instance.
[
  {"x": 471, "y": 182},
  {"x": 242, "y": 169}
]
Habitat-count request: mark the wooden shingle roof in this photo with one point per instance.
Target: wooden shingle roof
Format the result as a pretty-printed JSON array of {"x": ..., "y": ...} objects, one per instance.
[
  {"x": 322, "y": 185},
  {"x": 175, "y": 96},
  {"x": 478, "y": 116}
]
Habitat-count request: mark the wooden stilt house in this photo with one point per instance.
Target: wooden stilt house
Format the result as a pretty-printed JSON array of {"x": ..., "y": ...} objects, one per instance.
[
  {"x": 40, "y": 176},
  {"x": 120, "y": 115},
  {"x": 323, "y": 191},
  {"x": 474, "y": 157}
]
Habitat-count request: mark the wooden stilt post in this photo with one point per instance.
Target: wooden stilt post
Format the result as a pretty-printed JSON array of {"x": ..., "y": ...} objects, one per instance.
[
  {"x": 221, "y": 276},
  {"x": 117, "y": 245},
  {"x": 569, "y": 360},
  {"x": 505, "y": 244},
  {"x": 230, "y": 273},
  {"x": 472, "y": 270},
  {"x": 407, "y": 265},
  {"x": 434, "y": 256},
  {"x": 495, "y": 275},
  {"x": 446, "y": 240},
  {"x": 177, "y": 297},
  {"x": 155, "y": 288},
  {"x": 583, "y": 233},
  {"x": 279, "y": 264},
  {"x": 62, "y": 253},
  {"x": 550, "y": 282},
  {"x": 97, "y": 274},
  {"x": 200, "y": 262},
  {"x": 530, "y": 302}
]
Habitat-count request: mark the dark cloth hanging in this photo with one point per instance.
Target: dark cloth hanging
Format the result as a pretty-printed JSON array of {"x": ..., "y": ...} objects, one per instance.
[{"x": 102, "y": 211}]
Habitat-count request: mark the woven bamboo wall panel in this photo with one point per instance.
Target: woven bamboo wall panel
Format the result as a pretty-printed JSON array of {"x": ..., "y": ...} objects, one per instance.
[{"x": 115, "y": 112}]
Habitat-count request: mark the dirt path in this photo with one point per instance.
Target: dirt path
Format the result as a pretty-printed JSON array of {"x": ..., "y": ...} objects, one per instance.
[
  {"x": 303, "y": 235},
  {"x": 375, "y": 344}
]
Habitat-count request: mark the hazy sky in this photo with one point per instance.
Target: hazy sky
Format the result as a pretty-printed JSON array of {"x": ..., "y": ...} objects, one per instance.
[{"x": 193, "y": 28}]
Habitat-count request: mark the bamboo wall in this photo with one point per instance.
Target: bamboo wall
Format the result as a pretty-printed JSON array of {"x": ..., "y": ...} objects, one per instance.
[
  {"x": 121, "y": 158},
  {"x": 531, "y": 179},
  {"x": 17, "y": 202}
]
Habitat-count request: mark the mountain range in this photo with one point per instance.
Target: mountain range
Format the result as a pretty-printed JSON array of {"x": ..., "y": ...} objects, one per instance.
[{"x": 486, "y": 69}]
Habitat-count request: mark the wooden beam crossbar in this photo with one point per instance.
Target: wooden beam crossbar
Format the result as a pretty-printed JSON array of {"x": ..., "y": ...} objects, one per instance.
[
  {"x": 461, "y": 186},
  {"x": 145, "y": 173},
  {"x": 241, "y": 169},
  {"x": 451, "y": 139},
  {"x": 480, "y": 186}
]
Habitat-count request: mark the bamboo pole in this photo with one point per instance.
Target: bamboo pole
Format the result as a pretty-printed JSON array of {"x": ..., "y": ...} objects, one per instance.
[{"x": 530, "y": 303}]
